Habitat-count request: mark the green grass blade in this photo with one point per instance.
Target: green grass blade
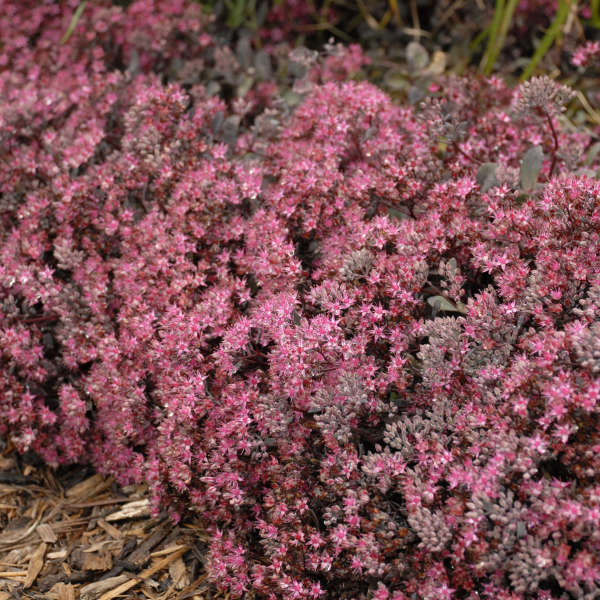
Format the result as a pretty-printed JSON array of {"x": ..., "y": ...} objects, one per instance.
[
  {"x": 504, "y": 27},
  {"x": 500, "y": 36},
  {"x": 476, "y": 42},
  {"x": 74, "y": 20},
  {"x": 494, "y": 27},
  {"x": 549, "y": 38}
]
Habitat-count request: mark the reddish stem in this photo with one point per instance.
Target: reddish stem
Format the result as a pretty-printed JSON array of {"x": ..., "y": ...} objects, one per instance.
[
  {"x": 465, "y": 154},
  {"x": 555, "y": 149},
  {"x": 40, "y": 319}
]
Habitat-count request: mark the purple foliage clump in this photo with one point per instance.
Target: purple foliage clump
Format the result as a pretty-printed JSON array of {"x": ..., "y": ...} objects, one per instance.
[{"x": 370, "y": 375}]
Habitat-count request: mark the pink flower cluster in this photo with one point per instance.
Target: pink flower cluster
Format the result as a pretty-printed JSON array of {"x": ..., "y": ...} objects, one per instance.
[
  {"x": 585, "y": 54},
  {"x": 287, "y": 18},
  {"x": 370, "y": 378}
]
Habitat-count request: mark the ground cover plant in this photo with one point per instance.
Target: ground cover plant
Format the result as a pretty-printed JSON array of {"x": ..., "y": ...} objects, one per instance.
[{"x": 359, "y": 339}]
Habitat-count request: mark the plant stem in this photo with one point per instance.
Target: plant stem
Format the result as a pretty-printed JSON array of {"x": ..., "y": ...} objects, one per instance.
[
  {"x": 550, "y": 36},
  {"x": 465, "y": 154},
  {"x": 555, "y": 149}
]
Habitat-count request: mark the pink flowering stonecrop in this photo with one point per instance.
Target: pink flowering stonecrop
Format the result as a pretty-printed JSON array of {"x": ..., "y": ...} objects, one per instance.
[{"x": 307, "y": 324}]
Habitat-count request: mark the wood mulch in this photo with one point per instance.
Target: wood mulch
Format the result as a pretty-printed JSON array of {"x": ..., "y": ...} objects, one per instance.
[{"x": 76, "y": 535}]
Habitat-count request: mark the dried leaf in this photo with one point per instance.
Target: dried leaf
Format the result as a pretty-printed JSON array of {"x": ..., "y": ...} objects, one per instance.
[
  {"x": 437, "y": 65},
  {"x": 531, "y": 167}
]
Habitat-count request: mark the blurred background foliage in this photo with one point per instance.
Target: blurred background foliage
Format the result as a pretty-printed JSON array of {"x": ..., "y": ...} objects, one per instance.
[
  {"x": 410, "y": 42},
  {"x": 526, "y": 30}
]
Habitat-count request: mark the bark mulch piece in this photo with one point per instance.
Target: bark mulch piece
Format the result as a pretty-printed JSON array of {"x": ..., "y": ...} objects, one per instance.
[{"x": 75, "y": 535}]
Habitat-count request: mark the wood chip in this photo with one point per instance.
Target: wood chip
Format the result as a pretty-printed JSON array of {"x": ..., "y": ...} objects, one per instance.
[
  {"x": 96, "y": 589},
  {"x": 12, "y": 537},
  {"x": 179, "y": 574},
  {"x": 62, "y": 591},
  {"x": 102, "y": 502},
  {"x": 102, "y": 545},
  {"x": 87, "y": 488},
  {"x": 80, "y": 547},
  {"x": 46, "y": 533},
  {"x": 140, "y": 555},
  {"x": 166, "y": 550},
  {"x": 11, "y": 574},
  {"x": 97, "y": 561},
  {"x": 159, "y": 566},
  {"x": 110, "y": 529},
  {"x": 7, "y": 463},
  {"x": 35, "y": 564},
  {"x": 132, "y": 510},
  {"x": 17, "y": 556}
]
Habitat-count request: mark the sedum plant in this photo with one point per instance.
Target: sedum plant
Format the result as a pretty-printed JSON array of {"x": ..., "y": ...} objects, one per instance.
[{"x": 295, "y": 311}]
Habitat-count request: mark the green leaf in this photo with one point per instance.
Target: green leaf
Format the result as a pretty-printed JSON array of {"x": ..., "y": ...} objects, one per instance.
[
  {"x": 486, "y": 176},
  {"x": 531, "y": 167},
  {"x": 416, "y": 56},
  {"x": 592, "y": 153},
  {"x": 262, "y": 64},
  {"x": 395, "y": 80},
  {"x": 441, "y": 303},
  {"x": 398, "y": 214}
]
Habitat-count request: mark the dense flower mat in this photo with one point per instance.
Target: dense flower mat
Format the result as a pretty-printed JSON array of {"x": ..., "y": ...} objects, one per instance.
[{"x": 361, "y": 340}]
